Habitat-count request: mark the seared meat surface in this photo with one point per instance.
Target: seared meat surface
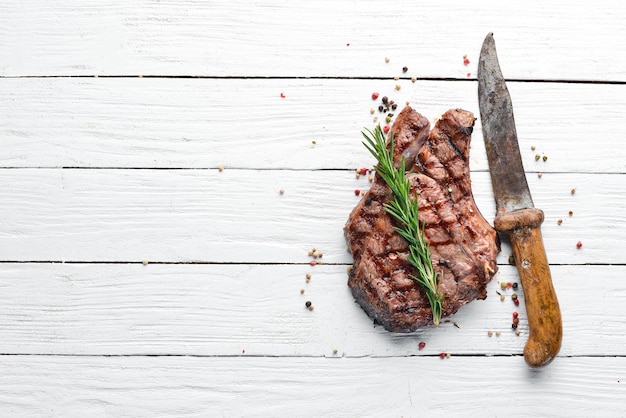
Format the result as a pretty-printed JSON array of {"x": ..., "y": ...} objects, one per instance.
[{"x": 463, "y": 245}]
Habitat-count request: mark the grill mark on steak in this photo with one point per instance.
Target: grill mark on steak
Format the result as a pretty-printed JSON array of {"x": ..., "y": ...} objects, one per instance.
[{"x": 463, "y": 245}]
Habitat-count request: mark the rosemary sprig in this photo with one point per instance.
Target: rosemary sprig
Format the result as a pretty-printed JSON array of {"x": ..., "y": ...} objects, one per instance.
[{"x": 405, "y": 211}]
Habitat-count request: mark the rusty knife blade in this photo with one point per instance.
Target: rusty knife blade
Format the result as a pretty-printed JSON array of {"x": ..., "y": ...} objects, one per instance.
[{"x": 510, "y": 188}]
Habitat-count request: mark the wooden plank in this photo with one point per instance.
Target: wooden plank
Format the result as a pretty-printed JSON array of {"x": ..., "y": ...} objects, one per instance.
[
  {"x": 244, "y": 123},
  {"x": 321, "y": 38},
  {"x": 405, "y": 386},
  {"x": 240, "y": 216},
  {"x": 258, "y": 310}
]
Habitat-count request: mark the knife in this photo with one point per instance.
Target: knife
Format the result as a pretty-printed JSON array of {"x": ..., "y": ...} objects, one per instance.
[{"x": 516, "y": 214}]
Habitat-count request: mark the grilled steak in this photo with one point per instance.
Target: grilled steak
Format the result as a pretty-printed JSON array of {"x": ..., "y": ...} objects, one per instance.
[{"x": 463, "y": 245}]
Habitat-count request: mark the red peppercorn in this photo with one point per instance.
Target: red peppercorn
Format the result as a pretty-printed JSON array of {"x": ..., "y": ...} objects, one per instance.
[
  {"x": 282, "y": 95},
  {"x": 469, "y": 75},
  {"x": 421, "y": 345},
  {"x": 442, "y": 355},
  {"x": 313, "y": 262},
  {"x": 363, "y": 171},
  {"x": 516, "y": 302},
  {"x": 386, "y": 129},
  {"x": 374, "y": 96},
  {"x": 357, "y": 192},
  {"x": 466, "y": 61},
  {"x": 579, "y": 244},
  {"x": 509, "y": 285},
  {"x": 515, "y": 314}
]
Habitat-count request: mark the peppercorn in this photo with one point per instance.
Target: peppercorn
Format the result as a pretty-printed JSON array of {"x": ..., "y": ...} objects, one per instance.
[
  {"x": 363, "y": 171},
  {"x": 357, "y": 192},
  {"x": 385, "y": 100},
  {"x": 490, "y": 333},
  {"x": 374, "y": 96},
  {"x": 545, "y": 158},
  {"x": 308, "y": 277},
  {"x": 302, "y": 291},
  {"x": 540, "y": 174},
  {"x": 220, "y": 168},
  {"x": 514, "y": 325},
  {"x": 421, "y": 345},
  {"x": 388, "y": 119},
  {"x": 307, "y": 303},
  {"x": 514, "y": 296},
  {"x": 573, "y": 191},
  {"x": 517, "y": 332},
  {"x": 502, "y": 297},
  {"x": 516, "y": 321},
  {"x": 497, "y": 333},
  {"x": 281, "y": 191},
  {"x": 516, "y": 302},
  {"x": 514, "y": 285},
  {"x": 442, "y": 355},
  {"x": 386, "y": 129},
  {"x": 398, "y": 86},
  {"x": 394, "y": 106},
  {"x": 405, "y": 69},
  {"x": 502, "y": 285},
  {"x": 559, "y": 221},
  {"x": 537, "y": 157},
  {"x": 579, "y": 244},
  {"x": 515, "y": 314}
]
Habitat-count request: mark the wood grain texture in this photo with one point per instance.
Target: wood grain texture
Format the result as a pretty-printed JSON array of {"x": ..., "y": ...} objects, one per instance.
[
  {"x": 558, "y": 40},
  {"x": 300, "y": 387},
  {"x": 106, "y": 335},
  {"x": 257, "y": 310},
  {"x": 244, "y": 123},
  {"x": 240, "y": 216}
]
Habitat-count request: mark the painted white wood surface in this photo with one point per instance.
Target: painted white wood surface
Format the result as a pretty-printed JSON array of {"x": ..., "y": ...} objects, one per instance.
[{"x": 100, "y": 174}]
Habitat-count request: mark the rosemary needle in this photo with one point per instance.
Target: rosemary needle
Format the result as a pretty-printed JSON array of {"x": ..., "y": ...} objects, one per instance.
[{"x": 404, "y": 210}]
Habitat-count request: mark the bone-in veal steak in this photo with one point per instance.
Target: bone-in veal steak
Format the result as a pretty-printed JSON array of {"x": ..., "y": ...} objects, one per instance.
[{"x": 463, "y": 245}]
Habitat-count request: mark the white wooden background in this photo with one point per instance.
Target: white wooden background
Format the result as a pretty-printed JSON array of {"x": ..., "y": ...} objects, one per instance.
[{"x": 114, "y": 119}]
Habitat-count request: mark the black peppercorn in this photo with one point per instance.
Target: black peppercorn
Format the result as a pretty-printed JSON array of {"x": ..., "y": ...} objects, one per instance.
[
  {"x": 307, "y": 304},
  {"x": 385, "y": 99}
]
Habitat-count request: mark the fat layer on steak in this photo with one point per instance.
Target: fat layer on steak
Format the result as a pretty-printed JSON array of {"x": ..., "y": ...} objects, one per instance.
[{"x": 463, "y": 246}]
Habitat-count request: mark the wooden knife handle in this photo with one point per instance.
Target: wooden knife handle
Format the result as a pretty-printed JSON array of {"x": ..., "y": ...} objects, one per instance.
[{"x": 542, "y": 306}]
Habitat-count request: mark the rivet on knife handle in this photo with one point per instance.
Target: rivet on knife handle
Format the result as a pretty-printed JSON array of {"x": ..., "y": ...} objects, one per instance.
[{"x": 516, "y": 214}]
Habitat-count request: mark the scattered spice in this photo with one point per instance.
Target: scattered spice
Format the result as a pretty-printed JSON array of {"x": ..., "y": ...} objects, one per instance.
[
  {"x": 573, "y": 191},
  {"x": 515, "y": 314},
  {"x": 220, "y": 168},
  {"x": 421, "y": 345},
  {"x": 517, "y": 332},
  {"x": 516, "y": 302},
  {"x": 570, "y": 213},
  {"x": 490, "y": 333},
  {"x": 396, "y": 78},
  {"x": 357, "y": 192},
  {"x": 537, "y": 157},
  {"x": 515, "y": 285},
  {"x": 469, "y": 75},
  {"x": 398, "y": 86},
  {"x": 311, "y": 307},
  {"x": 282, "y": 95},
  {"x": 502, "y": 298},
  {"x": 335, "y": 351},
  {"x": 370, "y": 179},
  {"x": 385, "y": 100},
  {"x": 387, "y": 59},
  {"x": 466, "y": 60},
  {"x": 559, "y": 221},
  {"x": 386, "y": 129},
  {"x": 302, "y": 291},
  {"x": 503, "y": 285},
  {"x": 308, "y": 277},
  {"x": 413, "y": 79},
  {"x": 545, "y": 158},
  {"x": 308, "y": 304},
  {"x": 498, "y": 333},
  {"x": 145, "y": 262},
  {"x": 540, "y": 174},
  {"x": 372, "y": 111},
  {"x": 405, "y": 69},
  {"x": 281, "y": 191},
  {"x": 374, "y": 96},
  {"x": 579, "y": 244},
  {"x": 442, "y": 355},
  {"x": 311, "y": 251},
  {"x": 532, "y": 147},
  {"x": 363, "y": 171},
  {"x": 313, "y": 262}
]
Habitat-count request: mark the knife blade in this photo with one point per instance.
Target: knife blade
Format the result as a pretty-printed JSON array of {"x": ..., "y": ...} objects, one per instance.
[{"x": 516, "y": 215}]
